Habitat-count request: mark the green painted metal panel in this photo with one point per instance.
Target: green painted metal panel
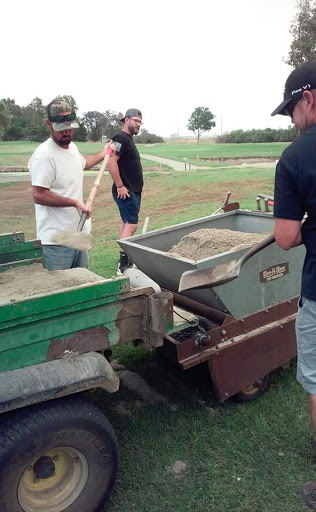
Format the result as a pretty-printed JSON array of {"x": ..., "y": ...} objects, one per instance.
[
  {"x": 19, "y": 263},
  {"x": 55, "y": 303},
  {"x": 28, "y": 344},
  {"x": 11, "y": 249},
  {"x": 58, "y": 326},
  {"x": 12, "y": 238},
  {"x": 24, "y": 356},
  {"x": 24, "y": 254}
]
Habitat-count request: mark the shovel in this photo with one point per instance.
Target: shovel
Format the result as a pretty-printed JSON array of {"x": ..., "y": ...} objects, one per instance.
[
  {"x": 224, "y": 203},
  {"x": 209, "y": 277},
  {"x": 77, "y": 239}
]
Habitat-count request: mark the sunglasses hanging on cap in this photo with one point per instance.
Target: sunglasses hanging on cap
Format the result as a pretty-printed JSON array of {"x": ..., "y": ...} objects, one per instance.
[{"x": 62, "y": 119}]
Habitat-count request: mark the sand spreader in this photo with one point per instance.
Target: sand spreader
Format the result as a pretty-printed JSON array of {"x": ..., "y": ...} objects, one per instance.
[{"x": 249, "y": 321}]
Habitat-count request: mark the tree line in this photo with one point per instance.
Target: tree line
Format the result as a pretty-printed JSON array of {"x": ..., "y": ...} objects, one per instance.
[
  {"x": 28, "y": 123},
  {"x": 267, "y": 135}
]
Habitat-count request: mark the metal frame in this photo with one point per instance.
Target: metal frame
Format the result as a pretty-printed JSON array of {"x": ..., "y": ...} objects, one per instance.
[{"x": 241, "y": 351}]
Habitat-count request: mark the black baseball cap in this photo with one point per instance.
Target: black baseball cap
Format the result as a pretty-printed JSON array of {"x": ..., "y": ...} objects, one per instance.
[
  {"x": 301, "y": 79},
  {"x": 132, "y": 112}
]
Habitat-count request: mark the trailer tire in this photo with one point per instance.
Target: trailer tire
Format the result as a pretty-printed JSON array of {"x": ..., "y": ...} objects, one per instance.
[
  {"x": 254, "y": 390},
  {"x": 65, "y": 446}
]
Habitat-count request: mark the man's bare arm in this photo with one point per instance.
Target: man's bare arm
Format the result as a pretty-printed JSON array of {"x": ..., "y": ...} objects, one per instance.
[
  {"x": 287, "y": 233},
  {"x": 122, "y": 191},
  {"x": 46, "y": 197},
  {"x": 92, "y": 160}
]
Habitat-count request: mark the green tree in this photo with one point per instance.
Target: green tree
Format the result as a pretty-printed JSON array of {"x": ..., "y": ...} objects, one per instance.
[
  {"x": 112, "y": 123},
  {"x": 201, "y": 120},
  {"x": 145, "y": 137},
  {"x": 34, "y": 114},
  {"x": 17, "y": 127},
  {"x": 80, "y": 134},
  {"x": 4, "y": 118},
  {"x": 303, "y": 30},
  {"x": 93, "y": 121}
]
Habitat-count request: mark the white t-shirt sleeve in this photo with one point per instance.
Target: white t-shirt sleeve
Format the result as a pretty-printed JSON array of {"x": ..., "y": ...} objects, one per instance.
[
  {"x": 83, "y": 161},
  {"x": 42, "y": 171}
]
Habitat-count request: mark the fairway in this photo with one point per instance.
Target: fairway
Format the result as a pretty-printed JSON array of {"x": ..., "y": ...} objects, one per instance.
[
  {"x": 193, "y": 152},
  {"x": 18, "y": 153},
  {"x": 186, "y": 452}
]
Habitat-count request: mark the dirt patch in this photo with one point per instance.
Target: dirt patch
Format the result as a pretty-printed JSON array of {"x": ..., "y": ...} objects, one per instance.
[
  {"x": 136, "y": 383},
  {"x": 204, "y": 243},
  {"x": 237, "y": 159},
  {"x": 13, "y": 168},
  {"x": 177, "y": 468},
  {"x": 21, "y": 283}
]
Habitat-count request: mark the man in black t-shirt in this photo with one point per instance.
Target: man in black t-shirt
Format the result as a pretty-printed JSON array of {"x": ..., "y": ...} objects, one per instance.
[
  {"x": 126, "y": 171},
  {"x": 295, "y": 195}
]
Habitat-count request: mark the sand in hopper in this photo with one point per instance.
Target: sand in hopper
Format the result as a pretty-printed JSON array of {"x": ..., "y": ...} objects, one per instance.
[
  {"x": 74, "y": 239},
  {"x": 205, "y": 243}
]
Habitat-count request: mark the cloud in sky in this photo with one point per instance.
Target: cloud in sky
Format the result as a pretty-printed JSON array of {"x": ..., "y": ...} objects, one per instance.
[{"x": 165, "y": 58}]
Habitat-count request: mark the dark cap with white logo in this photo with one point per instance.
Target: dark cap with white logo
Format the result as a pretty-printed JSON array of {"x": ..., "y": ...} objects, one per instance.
[
  {"x": 132, "y": 112},
  {"x": 301, "y": 79}
]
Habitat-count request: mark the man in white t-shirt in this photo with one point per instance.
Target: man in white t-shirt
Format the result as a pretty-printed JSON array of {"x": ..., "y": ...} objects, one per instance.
[{"x": 56, "y": 169}]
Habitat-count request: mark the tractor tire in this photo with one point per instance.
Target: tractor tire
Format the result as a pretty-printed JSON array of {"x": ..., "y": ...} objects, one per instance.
[
  {"x": 254, "y": 390},
  {"x": 57, "y": 456}
]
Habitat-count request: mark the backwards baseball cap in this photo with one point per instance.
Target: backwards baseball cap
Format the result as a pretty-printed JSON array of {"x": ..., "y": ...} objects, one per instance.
[
  {"x": 301, "y": 79},
  {"x": 132, "y": 112},
  {"x": 61, "y": 114}
]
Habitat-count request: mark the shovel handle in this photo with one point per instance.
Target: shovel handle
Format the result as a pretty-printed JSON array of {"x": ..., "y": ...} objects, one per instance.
[
  {"x": 224, "y": 203},
  {"x": 84, "y": 215},
  {"x": 97, "y": 181},
  {"x": 82, "y": 220},
  {"x": 256, "y": 248}
]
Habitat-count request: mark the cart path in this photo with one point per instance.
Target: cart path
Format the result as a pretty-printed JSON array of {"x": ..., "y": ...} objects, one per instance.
[
  {"x": 180, "y": 166},
  {"x": 176, "y": 166}
]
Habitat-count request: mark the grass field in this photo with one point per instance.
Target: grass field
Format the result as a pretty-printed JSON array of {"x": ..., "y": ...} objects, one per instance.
[
  {"x": 18, "y": 153},
  {"x": 189, "y": 453},
  {"x": 192, "y": 152}
]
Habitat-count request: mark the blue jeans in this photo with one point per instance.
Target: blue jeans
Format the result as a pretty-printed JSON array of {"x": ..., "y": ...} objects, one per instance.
[
  {"x": 306, "y": 344},
  {"x": 58, "y": 257}
]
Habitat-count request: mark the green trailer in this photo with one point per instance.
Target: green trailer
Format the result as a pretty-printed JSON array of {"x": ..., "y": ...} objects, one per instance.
[{"x": 58, "y": 451}]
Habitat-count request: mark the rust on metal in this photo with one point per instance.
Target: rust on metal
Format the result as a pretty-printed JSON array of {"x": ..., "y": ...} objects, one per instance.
[
  {"x": 161, "y": 311},
  {"x": 253, "y": 346},
  {"x": 201, "y": 309},
  {"x": 145, "y": 316},
  {"x": 252, "y": 357},
  {"x": 231, "y": 206},
  {"x": 88, "y": 340}
]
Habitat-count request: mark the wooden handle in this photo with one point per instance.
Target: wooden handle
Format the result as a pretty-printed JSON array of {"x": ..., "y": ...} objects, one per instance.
[
  {"x": 145, "y": 226},
  {"x": 97, "y": 181},
  {"x": 227, "y": 199}
]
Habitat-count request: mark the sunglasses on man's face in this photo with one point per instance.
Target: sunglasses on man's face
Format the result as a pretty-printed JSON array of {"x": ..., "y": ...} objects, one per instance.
[
  {"x": 290, "y": 106},
  {"x": 62, "y": 119}
]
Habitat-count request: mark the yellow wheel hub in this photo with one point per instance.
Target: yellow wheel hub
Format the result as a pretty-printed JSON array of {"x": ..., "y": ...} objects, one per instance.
[{"x": 53, "y": 480}]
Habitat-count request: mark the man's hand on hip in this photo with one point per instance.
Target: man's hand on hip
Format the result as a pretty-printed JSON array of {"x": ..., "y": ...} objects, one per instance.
[{"x": 122, "y": 192}]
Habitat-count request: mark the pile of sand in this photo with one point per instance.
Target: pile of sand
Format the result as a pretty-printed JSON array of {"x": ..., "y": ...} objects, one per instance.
[
  {"x": 205, "y": 243},
  {"x": 22, "y": 282}
]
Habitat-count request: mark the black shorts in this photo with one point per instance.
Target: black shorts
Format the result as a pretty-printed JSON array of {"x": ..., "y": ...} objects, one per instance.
[{"x": 129, "y": 207}]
